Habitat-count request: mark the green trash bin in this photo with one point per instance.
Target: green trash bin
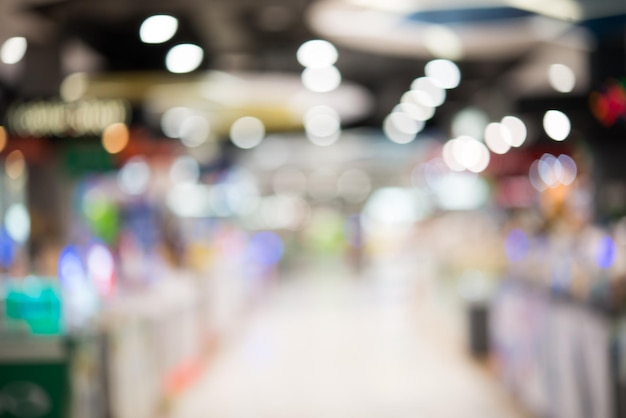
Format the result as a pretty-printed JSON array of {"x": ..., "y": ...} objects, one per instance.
[{"x": 34, "y": 378}]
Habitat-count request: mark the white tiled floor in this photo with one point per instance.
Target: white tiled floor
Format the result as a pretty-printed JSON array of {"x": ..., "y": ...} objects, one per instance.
[{"x": 325, "y": 347}]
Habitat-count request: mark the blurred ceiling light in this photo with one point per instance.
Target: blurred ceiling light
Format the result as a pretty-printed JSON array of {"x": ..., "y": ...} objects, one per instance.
[
  {"x": 247, "y": 132},
  {"x": 470, "y": 121},
  {"x": 289, "y": 181},
  {"x": 428, "y": 92},
  {"x": 73, "y": 87},
  {"x": 4, "y": 138},
  {"x": 557, "y": 125},
  {"x": 115, "y": 138},
  {"x": 17, "y": 222},
  {"x": 158, "y": 29},
  {"x": 401, "y": 128},
  {"x": 411, "y": 105},
  {"x": 443, "y": 42},
  {"x": 449, "y": 157},
  {"x": 444, "y": 72},
  {"x": 562, "y": 78},
  {"x": 15, "y": 165},
  {"x": 321, "y": 80},
  {"x": 354, "y": 185},
  {"x": 194, "y": 130},
  {"x": 185, "y": 169},
  {"x": 415, "y": 111},
  {"x": 470, "y": 153},
  {"x": 13, "y": 50},
  {"x": 498, "y": 138},
  {"x": 134, "y": 176},
  {"x": 322, "y": 125},
  {"x": 517, "y": 130},
  {"x": 184, "y": 58},
  {"x": 317, "y": 54}
]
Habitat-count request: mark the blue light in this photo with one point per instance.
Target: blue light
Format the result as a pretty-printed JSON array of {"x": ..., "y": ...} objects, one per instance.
[
  {"x": 265, "y": 248},
  {"x": 72, "y": 273},
  {"x": 7, "y": 249},
  {"x": 605, "y": 252},
  {"x": 516, "y": 245}
]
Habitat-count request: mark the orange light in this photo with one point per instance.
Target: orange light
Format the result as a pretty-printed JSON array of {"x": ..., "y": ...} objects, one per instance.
[
  {"x": 115, "y": 138},
  {"x": 3, "y": 138}
]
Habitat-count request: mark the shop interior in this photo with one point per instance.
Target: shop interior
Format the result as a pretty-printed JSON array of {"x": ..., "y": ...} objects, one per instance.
[{"x": 312, "y": 208}]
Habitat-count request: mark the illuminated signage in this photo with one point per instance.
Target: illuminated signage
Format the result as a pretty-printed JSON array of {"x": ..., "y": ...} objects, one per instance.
[{"x": 57, "y": 118}]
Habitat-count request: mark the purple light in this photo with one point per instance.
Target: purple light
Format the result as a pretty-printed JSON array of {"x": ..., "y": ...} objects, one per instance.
[
  {"x": 516, "y": 245},
  {"x": 605, "y": 252},
  {"x": 265, "y": 248}
]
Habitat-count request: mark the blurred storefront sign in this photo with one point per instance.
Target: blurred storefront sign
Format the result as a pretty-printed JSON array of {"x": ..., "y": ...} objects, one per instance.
[{"x": 58, "y": 118}]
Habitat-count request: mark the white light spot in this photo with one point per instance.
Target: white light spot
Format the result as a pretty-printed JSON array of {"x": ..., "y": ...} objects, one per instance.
[
  {"x": 562, "y": 78},
  {"x": 517, "y": 130},
  {"x": 428, "y": 92},
  {"x": 13, "y": 50},
  {"x": 470, "y": 153},
  {"x": 17, "y": 223},
  {"x": 444, "y": 72},
  {"x": 557, "y": 125},
  {"x": 498, "y": 138},
  {"x": 322, "y": 125},
  {"x": 134, "y": 177},
  {"x": 158, "y": 29},
  {"x": 247, "y": 132},
  {"x": 321, "y": 80},
  {"x": 401, "y": 128},
  {"x": 414, "y": 110},
  {"x": 172, "y": 120},
  {"x": 449, "y": 158},
  {"x": 184, "y": 58},
  {"x": 194, "y": 130},
  {"x": 317, "y": 54}
]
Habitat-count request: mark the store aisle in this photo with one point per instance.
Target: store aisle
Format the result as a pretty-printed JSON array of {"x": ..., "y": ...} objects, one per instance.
[{"x": 325, "y": 347}]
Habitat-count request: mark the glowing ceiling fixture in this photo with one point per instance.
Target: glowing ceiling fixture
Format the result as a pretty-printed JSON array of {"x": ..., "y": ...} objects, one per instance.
[
  {"x": 557, "y": 125},
  {"x": 13, "y": 50},
  {"x": 184, "y": 58},
  {"x": 158, "y": 29},
  {"x": 444, "y": 72},
  {"x": 317, "y": 54}
]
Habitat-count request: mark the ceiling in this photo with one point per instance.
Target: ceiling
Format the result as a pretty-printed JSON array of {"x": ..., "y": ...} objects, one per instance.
[{"x": 263, "y": 35}]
